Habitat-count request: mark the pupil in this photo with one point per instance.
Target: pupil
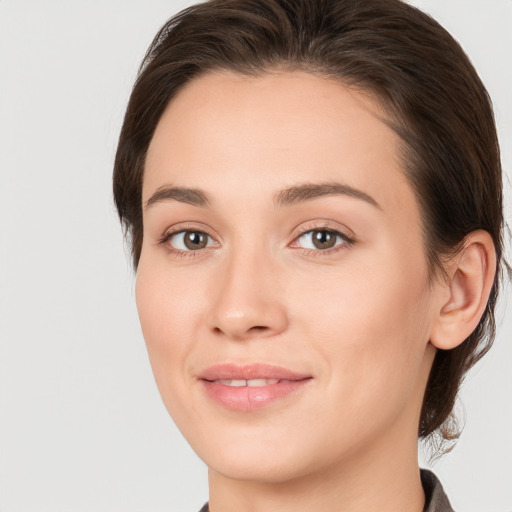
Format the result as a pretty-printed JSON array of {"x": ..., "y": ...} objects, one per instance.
[
  {"x": 195, "y": 240},
  {"x": 323, "y": 239}
]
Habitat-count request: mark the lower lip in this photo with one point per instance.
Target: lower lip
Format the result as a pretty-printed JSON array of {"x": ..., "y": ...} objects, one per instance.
[{"x": 248, "y": 398}]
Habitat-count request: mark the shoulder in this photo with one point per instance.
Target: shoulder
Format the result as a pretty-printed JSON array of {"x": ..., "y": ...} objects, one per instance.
[{"x": 435, "y": 497}]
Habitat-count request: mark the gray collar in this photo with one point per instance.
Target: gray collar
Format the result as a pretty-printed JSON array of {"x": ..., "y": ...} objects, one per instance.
[{"x": 435, "y": 497}]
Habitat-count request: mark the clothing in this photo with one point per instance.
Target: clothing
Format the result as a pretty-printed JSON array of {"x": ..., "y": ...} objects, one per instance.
[{"x": 435, "y": 497}]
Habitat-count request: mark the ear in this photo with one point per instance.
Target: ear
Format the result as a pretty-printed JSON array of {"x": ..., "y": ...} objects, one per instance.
[{"x": 470, "y": 276}]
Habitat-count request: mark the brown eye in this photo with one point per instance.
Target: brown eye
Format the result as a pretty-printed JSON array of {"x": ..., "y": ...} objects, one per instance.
[
  {"x": 190, "y": 240},
  {"x": 195, "y": 240},
  {"x": 322, "y": 239}
]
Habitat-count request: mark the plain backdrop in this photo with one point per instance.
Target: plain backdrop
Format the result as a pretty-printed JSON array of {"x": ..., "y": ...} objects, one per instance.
[{"x": 82, "y": 427}]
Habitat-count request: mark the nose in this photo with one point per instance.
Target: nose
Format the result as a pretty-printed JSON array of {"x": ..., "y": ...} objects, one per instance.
[{"x": 248, "y": 300}]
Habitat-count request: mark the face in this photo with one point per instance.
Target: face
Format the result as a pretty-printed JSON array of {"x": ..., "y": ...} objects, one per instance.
[{"x": 283, "y": 287}]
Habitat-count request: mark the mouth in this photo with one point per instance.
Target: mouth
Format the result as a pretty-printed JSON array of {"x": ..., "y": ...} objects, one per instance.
[
  {"x": 251, "y": 387},
  {"x": 253, "y": 383}
]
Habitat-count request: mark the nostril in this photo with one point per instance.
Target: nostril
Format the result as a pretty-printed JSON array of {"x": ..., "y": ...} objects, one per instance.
[{"x": 239, "y": 333}]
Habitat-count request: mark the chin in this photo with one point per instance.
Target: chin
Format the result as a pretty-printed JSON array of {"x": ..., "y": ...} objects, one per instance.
[
  {"x": 266, "y": 469},
  {"x": 258, "y": 458}
]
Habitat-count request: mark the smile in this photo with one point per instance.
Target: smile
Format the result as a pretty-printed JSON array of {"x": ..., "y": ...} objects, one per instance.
[{"x": 251, "y": 387}]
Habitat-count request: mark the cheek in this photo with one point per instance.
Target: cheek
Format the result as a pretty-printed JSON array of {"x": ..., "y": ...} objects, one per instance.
[
  {"x": 372, "y": 328},
  {"x": 168, "y": 302},
  {"x": 169, "y": 315}
]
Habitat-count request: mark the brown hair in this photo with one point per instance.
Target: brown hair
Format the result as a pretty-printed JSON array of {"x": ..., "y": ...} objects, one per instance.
[{"x": 431, "y": 92}]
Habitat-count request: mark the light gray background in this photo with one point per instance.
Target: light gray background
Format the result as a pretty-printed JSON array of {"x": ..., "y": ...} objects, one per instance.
[{"x": 82, "y": 427}]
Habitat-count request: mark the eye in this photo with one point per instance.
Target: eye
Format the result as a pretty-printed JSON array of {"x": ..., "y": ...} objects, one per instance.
[
  {"x": 189, "y": 240},
  {"x": 322, "y": 239}
]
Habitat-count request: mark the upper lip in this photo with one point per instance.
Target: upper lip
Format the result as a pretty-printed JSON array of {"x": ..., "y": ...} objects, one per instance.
[{"x": 250, "y": 371}]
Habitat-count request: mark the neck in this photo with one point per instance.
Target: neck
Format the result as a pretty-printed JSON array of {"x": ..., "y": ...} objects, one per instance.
[{"x": 380, "y": 479}]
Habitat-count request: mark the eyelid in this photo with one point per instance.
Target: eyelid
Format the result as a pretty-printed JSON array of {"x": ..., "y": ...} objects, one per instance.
[
  {"x": 325, "y": 225},
  {"x": 182, "y": 228},
  {"x": 348, "y": 239}
]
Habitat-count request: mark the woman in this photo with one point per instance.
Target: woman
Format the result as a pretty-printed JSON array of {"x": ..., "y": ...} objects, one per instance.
[{"x": 312, "y": 191}]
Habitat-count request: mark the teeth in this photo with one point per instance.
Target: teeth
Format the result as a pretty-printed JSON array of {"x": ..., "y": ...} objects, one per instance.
[
  {"x": 251, "y": 382},
  {"x": 237, "y": 383},
  {"x": 261, "y": 382}
]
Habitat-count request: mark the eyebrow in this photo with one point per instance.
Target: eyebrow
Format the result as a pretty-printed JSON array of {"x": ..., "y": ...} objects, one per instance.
[
  {"x": 286, "y": 197},
  {"x": 193, "y": 196},
  {"x": 309, "y": 191}
]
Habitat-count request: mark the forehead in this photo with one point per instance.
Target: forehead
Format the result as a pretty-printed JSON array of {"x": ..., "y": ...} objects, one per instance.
[{"x": 229, "y": 133}]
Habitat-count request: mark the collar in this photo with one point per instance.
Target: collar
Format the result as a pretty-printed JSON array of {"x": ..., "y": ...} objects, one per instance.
[{"x": 435, "y": 497}]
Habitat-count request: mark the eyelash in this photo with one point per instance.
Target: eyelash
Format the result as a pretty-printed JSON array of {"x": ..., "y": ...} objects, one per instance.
[
  {"x": 347, "y": 241},
  {"x": 182, "y": 229}
]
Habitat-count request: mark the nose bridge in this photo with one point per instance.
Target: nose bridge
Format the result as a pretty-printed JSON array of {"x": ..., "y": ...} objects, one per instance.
[{"x": 248, "y": 302}]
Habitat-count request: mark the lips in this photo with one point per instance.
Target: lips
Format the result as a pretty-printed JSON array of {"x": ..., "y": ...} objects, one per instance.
[
  {"x": 251, "y": 387},
  {"x": 229, "y": 371}
]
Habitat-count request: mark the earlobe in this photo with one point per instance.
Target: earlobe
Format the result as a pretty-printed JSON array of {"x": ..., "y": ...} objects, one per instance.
[{"x": 470, "y": 276}]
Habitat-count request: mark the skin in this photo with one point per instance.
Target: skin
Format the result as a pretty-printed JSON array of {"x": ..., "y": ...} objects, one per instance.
[{"x": 361, "y": 318}]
